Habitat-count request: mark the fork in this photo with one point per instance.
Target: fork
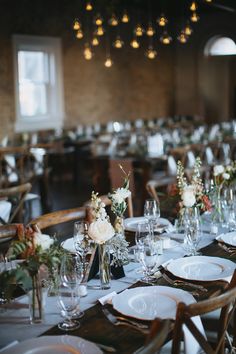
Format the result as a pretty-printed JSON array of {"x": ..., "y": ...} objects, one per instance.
[
  {"x": 178, "y": 282},
  {"x": 231, "y": 250},
  {"x": 118, "y": 320}
]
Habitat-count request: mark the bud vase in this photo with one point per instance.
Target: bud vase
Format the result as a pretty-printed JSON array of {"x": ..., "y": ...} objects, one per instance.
[
  {"x": 36, "y": 300},
  {"x": 217, "y": 215},
  {"x": 104, "y": 266}
]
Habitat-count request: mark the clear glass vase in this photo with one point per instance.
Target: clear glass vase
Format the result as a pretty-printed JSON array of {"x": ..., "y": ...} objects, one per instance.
[
  {"x": 35, "y": 296},
  {"x": 192, "y": 230},
  {"x": 217, "y": 213},
  {"x": 104, "y": 266}
]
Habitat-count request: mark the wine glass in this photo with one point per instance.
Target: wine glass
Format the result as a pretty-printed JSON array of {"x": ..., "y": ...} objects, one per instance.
[
  {"x": 143, "y": 233},
  {"x": 71, "y": 274},
  {"x": 152, "y": 212},
  {"x": 68, "y": 299},
  {"x": 148, "y": 257}
]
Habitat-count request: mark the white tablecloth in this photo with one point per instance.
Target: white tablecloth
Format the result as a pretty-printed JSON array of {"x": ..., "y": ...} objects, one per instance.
[{"x": 5, "y": 210}]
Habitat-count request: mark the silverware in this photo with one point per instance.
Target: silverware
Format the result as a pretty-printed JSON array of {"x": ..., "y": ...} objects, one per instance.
[
  {"x": 178, "y": 282},
  {"x": 231, "y": 250},
  {"x": 118, "y": 320}
]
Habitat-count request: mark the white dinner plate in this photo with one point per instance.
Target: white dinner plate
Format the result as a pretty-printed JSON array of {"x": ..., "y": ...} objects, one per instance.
[
  {"x": 147, "y": 303},
  {"x": 202, "y": 268},
  {"x": 54, "y": 345},
  {"x": 130, "y": 224},
  {"x": 229, "y": 238},
  {"x": 69, "y": 245}
]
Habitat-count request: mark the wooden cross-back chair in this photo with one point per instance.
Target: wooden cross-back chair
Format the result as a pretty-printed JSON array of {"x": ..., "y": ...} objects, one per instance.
[
  {"x": 58, "y": 217},
  {"x": 226, "y": 303},
  {"x": 16, "y": 195},
  {"x": 156, "y": 337}
]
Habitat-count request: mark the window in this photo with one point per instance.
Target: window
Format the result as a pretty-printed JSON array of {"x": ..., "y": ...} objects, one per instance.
[
  {"x": 38, "y": 83},
  {"x": 220, "y": 46}
]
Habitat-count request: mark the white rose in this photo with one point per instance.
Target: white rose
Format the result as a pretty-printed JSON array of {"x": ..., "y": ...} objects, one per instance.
[
  {"x": 101, "y": 231},
  {"x": 226, "y": 176},
  {"x": 120, "y": 195},
  {"x": 188, "y": 196},
  {"x": 42, "y": 240},
  {"x": 218, "y": 170}
]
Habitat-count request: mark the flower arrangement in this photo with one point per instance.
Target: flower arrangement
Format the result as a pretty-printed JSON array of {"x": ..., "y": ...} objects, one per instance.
[
  {"x": 224, "y": 174},
  {"x": 36, "y": 251},
  {"x": 192, "y": 194},
  {"x": 101, "y": 230}
]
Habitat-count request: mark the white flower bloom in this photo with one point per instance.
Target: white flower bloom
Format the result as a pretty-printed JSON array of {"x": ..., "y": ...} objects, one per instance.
[
  {"x": 226, "y": 176},
  {"x": 218, "y": 170},
  {"x": 229, "y": 168},
  {"x": 188, "y": 196},
  {"x": 101, "y": 231},
  {"x": 42, "y": 240},
  {"x": 120, "y": 195}
]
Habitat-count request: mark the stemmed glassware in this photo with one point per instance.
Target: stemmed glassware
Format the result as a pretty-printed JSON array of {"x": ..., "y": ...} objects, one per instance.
[
  {"x": 152, "y": 212},
  {"x": 148, "y": 257},
  {"x": 71, "y": 274},
  {"x": 143, "y": 233},
  {"x": 68, "y": 299}
]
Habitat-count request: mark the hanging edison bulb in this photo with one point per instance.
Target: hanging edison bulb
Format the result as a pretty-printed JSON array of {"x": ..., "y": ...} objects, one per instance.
[
  {"x": 162, "y": 20},
  {"x": 108, "y": 62},
  {"x": 125, "y": 17},
  {"x": 150, "y": 30},
  {"x": 193, "y": 6},
  {"x": 76, "y": 25},
  {"x": 113, "y": 21},
  {"x": 188, "y": 29},
  {"x": 208, "y": 1},
  {"x": 134, "y": 43},
  {"x": 138, "y": 30},
  {"x": 100, "y": 31},
  {"x": 88, "y": 6},
  {"x": 151, "y": 53},
  {"x": 95, "y": 41},
  {"x": 98, "y": 20},
  {"x": 88, "y": 54},
  {"x": 182, "y": 37},
  {"x": 79, "y": 34},
  {"x": 118, "y": 43},
  {"x": 194, "y": 17},
  {"x": 165, "y": 38}
]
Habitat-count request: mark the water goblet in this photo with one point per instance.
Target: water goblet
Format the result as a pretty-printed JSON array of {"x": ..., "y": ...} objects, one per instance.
[
  {"x": 148, "y": 257},
  {"x": 143, "y": 233},
  {"x": 68, "y": 301},
  {"x": 152, "y": 212},
  {"x": 71, "y": 274}
]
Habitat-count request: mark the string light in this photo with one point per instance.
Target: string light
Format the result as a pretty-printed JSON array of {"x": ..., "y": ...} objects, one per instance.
[
  {"x": 134, "y": 43},
  {"x": 95, "y": 41},
  {"x": 139, "y": 30},
  {"x": 193, "y": 6},
  {"x": 113, "y": 21},
  {"x": 188, "y": 30},
  {"x": 125, "y": 17},
  {"x": 98, "y": 20},
  {"x": 208, "y": 1},
  {"x": 79, "y": 34},
  {"x": 88, "y": 6},
  {"x": 165, "y": 38},
  {"x": 76, "y": 25},
  {"x": 151, "y": 53},
  {"x": 194, "y": 17},
  {"x": 88, "y": 54},
  {"x": 100, "y": 31},
  {"x": 162, "y": 20},
  {"x": 118, "y": 43},
  {"x": 150, "y": 30},
  {"x": 108, "y": 62},
  {"x": 182, "y": 38}
]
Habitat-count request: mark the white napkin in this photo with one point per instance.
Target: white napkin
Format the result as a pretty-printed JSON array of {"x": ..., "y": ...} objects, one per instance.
[
  {"x": 107, "y": 299},
  {"x": 191, "y": 346}
]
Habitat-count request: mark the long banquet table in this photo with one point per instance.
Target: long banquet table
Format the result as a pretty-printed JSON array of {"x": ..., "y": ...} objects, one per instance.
[{"x": 14, "y": 319}]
